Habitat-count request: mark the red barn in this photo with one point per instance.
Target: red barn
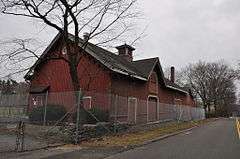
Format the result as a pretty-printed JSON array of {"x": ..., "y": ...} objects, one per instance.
[{"x": 103, "y": 74}]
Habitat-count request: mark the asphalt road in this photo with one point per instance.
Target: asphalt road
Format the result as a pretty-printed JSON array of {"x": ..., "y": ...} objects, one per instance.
[{"x": 216, "y": 140}]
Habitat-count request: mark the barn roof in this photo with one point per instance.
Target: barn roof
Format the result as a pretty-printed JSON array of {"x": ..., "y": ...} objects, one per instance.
[
  {"x": 140, "y": 69},
  {"x": 146, "y": 65}
]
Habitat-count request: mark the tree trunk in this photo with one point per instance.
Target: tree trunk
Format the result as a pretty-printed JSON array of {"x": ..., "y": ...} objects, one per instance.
[
  {"x": 205, "y": 108},
  {"x": 74, "y": 77}
]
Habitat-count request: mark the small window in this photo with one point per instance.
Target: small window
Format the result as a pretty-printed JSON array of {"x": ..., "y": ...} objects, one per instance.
[
  {"x": 38, "y": 101},
  {"x": 87, "y": 102},
  {"x": 177, "y": 101},
  {"x": 64, "y": 50}
]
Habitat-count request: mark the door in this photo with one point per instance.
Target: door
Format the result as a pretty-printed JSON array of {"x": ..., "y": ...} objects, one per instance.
[
  {"x": 152, "y": 109},
  {"x": 132, "y": 110}
]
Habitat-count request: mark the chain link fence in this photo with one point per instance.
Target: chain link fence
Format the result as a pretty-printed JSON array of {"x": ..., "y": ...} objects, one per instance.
[
  {"x": 58, "y": 117},
  {"x": 139, "y": 111}
]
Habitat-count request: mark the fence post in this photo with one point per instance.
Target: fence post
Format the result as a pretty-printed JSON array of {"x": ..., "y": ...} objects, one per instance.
[
  {"x": 180, "y": 113},
  {"x": 78, "y": 115},
  {"x": 45, "y": 109},
  {"x": 115, "y": 111},
  {"x": 9, "y": 105}
]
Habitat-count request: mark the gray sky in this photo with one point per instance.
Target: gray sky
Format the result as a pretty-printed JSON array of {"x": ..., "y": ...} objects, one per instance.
[{"x": 179, "y": 31}]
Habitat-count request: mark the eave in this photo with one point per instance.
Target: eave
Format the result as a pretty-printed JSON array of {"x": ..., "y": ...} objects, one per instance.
[{"x": 174, "y": 88}]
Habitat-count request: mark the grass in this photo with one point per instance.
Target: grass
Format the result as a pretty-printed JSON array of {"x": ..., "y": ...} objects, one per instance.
[{"x": 135, "y": 138}]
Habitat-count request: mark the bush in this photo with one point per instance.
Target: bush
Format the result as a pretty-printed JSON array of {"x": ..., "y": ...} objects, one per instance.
[
  {"x": 83, "y": 116},
  {"x": 119, "y": 127},
  {"x": 101, "y": 115},
  {"x": 53, "y": 113},
  {"x": 89, "y": 116}
]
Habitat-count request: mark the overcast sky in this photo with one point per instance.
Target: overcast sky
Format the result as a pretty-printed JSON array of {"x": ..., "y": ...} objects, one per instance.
[{"x": 179, "y": 31}]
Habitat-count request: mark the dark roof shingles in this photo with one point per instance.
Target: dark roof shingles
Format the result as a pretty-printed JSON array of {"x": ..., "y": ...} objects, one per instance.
[{"x": 145, "y": 65}]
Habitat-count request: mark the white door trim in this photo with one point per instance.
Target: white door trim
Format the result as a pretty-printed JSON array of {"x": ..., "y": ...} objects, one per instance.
[
  {"x": 135, "y": 109},
  {"x": 153, "y": 96},
  {"x": 90, "y": 99}
]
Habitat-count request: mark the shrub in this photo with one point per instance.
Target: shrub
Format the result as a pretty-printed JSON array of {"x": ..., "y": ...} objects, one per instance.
[
  {"x": 90, "y": 116},
  {"x": 53, "y": 113},
  {"x": 83, "y": 116},
  {"x": 101, "y": 115}
]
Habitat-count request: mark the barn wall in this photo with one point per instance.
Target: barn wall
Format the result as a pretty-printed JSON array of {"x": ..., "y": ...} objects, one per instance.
[
  {"x": 98, "y": 85},
  {"x": 127, "y": 87},
  {"x": 133, "y": 88},
  {"x": 94, "y": 80}
]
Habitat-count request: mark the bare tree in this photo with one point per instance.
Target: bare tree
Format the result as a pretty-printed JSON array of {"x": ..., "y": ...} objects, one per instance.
[
  {"x": 104, "y": 20},
  {"x": 238, "y": 71},
  {"x": 17, "y": 55},
  {"x": 213, "y": 83}
]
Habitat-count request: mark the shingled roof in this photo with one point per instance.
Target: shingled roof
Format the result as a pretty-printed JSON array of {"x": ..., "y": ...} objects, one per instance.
[
  {"x": 146, "y": 65},
  {"x": 140, "y": 69}
]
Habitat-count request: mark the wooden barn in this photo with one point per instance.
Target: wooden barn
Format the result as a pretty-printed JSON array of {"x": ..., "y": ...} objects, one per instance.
[{"x": 103, "y": 74}]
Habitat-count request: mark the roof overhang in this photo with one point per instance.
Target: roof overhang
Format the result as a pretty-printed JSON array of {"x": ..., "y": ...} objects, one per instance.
[
  {"x": 177, "y": 89},
  {"x": 131, "y": 75},
  {"x": 38, "y": 89}
]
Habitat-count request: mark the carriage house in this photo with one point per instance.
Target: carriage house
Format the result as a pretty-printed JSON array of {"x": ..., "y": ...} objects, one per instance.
[{"x": 105, "y": 76}]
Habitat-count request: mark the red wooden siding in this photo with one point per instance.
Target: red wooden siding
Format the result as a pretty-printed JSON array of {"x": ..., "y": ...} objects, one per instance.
[{"x": 97, "y": 83}]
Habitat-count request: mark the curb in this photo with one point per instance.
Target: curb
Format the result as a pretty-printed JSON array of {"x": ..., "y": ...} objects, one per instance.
[
  {"x": 173, "y": 134},
  {"x": 44, "y": 147},
  {"x": 160, "y": 138},
  {"x": 169, "y": 135},
  {"x": 153, "y": 140}
]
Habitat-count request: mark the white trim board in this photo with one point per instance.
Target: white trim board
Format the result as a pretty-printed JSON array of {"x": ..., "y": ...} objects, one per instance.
[
  {"x": 153, "y": 96},
  {"x": 135, "y": 109}
]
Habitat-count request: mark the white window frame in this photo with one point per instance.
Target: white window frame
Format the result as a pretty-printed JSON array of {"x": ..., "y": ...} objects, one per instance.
[
  {"x": 38, "y": 101},
  {"x": 179, "y": 106},
  {"x": 153, "y": 96},
  {"x": 64, "y": 50},
  {"x": 90, "y": 99},
  {"x": 177, "y": 99},
  {"x": 135, "y": 117}
]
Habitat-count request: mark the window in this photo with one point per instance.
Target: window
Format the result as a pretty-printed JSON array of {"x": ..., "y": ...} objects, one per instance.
[
  {"x": 64, "y": 50},
  {"x": 38, "y": 101},
  {"x": 177, "y": 101},
  {"x": 87, "y": 102}
]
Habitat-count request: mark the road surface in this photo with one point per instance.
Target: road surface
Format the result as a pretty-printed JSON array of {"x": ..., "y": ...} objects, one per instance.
[{"x": 216, "y": 140}]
